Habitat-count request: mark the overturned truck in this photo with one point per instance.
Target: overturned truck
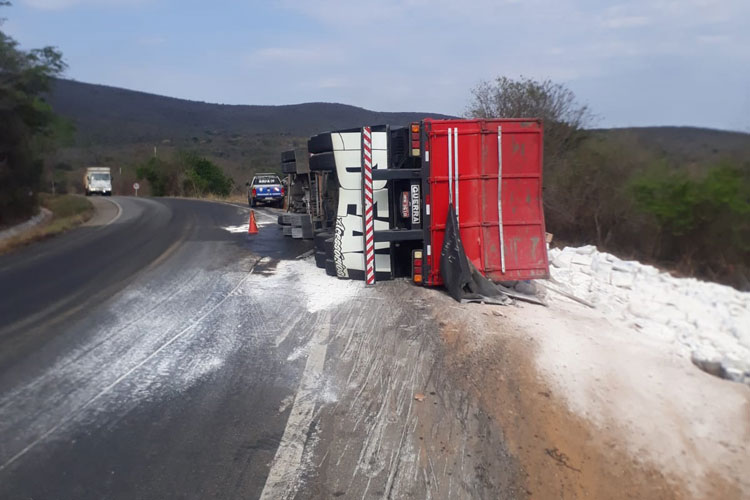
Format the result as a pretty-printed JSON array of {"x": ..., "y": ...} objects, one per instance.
[{"x": 386, "y": 202}]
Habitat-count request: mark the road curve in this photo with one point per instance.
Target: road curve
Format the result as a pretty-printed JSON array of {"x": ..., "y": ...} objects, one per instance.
[
  {"x": 169, "y": 354},
  {"x": 129, "y": 364}
]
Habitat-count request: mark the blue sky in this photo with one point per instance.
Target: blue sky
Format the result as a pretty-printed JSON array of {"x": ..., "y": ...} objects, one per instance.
[{"x": 638, "y": 62}]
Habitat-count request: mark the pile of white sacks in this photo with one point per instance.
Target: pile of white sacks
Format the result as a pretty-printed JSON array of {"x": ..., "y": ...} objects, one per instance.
[{"x": 705, "y": 321}]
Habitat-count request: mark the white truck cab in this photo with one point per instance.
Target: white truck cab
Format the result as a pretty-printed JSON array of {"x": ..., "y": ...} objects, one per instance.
[
  {"x": 98, "y": 180},
  {"x": 341, "y": 153}
]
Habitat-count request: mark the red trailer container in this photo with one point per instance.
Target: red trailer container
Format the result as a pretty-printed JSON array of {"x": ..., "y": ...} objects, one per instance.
[
  {"x": 490, "y": 171},
  {"x": 462, "y": 166}
]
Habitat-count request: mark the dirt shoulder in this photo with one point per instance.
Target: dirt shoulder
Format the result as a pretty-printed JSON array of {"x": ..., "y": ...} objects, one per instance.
[
  {"x": 66, "y": 212},
  {"x": 591, "y": 411}
]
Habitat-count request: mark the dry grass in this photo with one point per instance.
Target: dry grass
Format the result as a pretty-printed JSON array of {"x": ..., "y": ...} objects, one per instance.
[
  {"x": 232, "y": 198},
  {"x": 68, "y": 211}
]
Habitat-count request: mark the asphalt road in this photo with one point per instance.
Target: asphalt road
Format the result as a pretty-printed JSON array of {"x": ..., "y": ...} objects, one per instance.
[
  {"x": 161, "y": 352},
  {"x": 131, "y": 363}
]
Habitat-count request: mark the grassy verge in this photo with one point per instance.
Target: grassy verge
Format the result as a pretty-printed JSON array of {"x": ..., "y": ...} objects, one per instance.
[
  {"x": 68, "y": 211},
  {"x": 232, "y": 198}
]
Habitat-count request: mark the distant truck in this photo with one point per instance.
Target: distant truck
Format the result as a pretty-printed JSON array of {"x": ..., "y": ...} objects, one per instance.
[
  {"x": 475, "y": 182},
  {"x": 98, "y": 180}
]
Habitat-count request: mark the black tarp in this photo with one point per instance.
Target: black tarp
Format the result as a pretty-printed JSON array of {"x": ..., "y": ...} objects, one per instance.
[{"x": 462, "y": 279}]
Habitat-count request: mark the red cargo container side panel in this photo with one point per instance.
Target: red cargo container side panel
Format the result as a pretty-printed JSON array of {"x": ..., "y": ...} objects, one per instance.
[{"x": 525, "y": 251}]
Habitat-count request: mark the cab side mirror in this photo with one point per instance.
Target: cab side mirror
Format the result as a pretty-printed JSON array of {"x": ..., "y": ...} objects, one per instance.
[{"x": 247, "y": 184}]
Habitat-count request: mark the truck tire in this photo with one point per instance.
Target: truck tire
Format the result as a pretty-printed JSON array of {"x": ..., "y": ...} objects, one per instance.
[
  {"x": 320, "y": 259},
  {"x": 323, "y": 162},
  {"x": 321, "y": 143},
  {"x": 287, "y": 155},
  {"x": 320, "y": 239},
  {"x": 289, "y": 167},
  {"x": 329, "y": 248},
  {"x": 330, "y": 267}
]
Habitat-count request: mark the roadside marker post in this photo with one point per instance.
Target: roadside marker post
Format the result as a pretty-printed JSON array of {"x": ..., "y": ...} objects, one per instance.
[
  {"x": 136, "y": 187},
  {"x": 368, "y": 219}
]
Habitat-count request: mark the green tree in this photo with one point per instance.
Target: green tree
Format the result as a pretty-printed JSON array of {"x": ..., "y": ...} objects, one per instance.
[
  {"x": 26, "y": 119},
  {"x": 564, "y": 117},
  {"x": 704, "y": 222},
  {"x": 163, "y": 177},
  {"x": 186, "y": 174},
  {"x": 204, "y": 176}
]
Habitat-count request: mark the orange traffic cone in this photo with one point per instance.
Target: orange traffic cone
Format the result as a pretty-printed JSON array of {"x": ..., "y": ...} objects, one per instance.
[{"x": 252, "y": 227}]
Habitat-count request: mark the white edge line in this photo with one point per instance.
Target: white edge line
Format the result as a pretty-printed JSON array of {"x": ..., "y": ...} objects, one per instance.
[
  {"x": 281, "y": 482},
  {"x": 119, "y": 212}
]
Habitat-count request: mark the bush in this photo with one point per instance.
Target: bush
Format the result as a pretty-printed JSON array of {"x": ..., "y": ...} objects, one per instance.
[
  {"x": 704, "y": 222},
  {"x": 585, "y": 197},
  {"x": 203, "y": 177},
  {"x": 162, "y": 177},
  {"x": 187, "y": 174}
]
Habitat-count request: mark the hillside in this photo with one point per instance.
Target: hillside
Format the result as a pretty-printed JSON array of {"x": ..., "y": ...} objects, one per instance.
[
  {"x": 107, "y": 115},
  {"x": 121, "y": 128},
  {"x": 688, "y": 145}
]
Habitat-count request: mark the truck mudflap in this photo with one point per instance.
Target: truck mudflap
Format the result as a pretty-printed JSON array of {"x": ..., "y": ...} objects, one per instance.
[{"x": 463, "y": 280}]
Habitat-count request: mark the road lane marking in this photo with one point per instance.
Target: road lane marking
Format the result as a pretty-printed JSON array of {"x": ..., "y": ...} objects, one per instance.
[
  {"x": 119, "y": 212},
  {"x": 101, "y": 208},
  {"x": 80, "y": 409},
  {"x": 282, "y": 480}
]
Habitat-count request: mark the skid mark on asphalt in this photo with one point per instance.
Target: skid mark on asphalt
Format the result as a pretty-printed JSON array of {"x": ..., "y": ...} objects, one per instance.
[
  {"x": 283, "y": 478},
  {"x": 80, "y": 409}
]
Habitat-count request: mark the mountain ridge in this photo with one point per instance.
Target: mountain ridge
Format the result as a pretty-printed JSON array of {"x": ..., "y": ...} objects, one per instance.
[
  {"x": 122, "y": 128},
  {"x": 111, "y": 115}
]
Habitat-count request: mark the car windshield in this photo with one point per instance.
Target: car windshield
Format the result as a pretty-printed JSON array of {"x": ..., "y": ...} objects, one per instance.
[
  {"x": 267, "y": 179},
  {"x": 100, "y": 177}
]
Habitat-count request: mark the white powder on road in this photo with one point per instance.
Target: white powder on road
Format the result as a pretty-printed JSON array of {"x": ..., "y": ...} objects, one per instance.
[
  {"x": 320, "y": 290},
  {"x": 242, "y": 228},
  {"x": 707, "y": 321}
]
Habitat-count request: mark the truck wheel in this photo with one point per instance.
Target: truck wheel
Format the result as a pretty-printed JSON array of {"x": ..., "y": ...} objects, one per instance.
[
  {"x": 323, "y": 162},
  {"x": 253, "y": 203},
  {"x": 330, "y": 267},
  {"x": 320, "y": 239},
  {"x": 321, "y": 143},
  {"x": 320, "y": 259},
  {"x": 328, "y": 245}
]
